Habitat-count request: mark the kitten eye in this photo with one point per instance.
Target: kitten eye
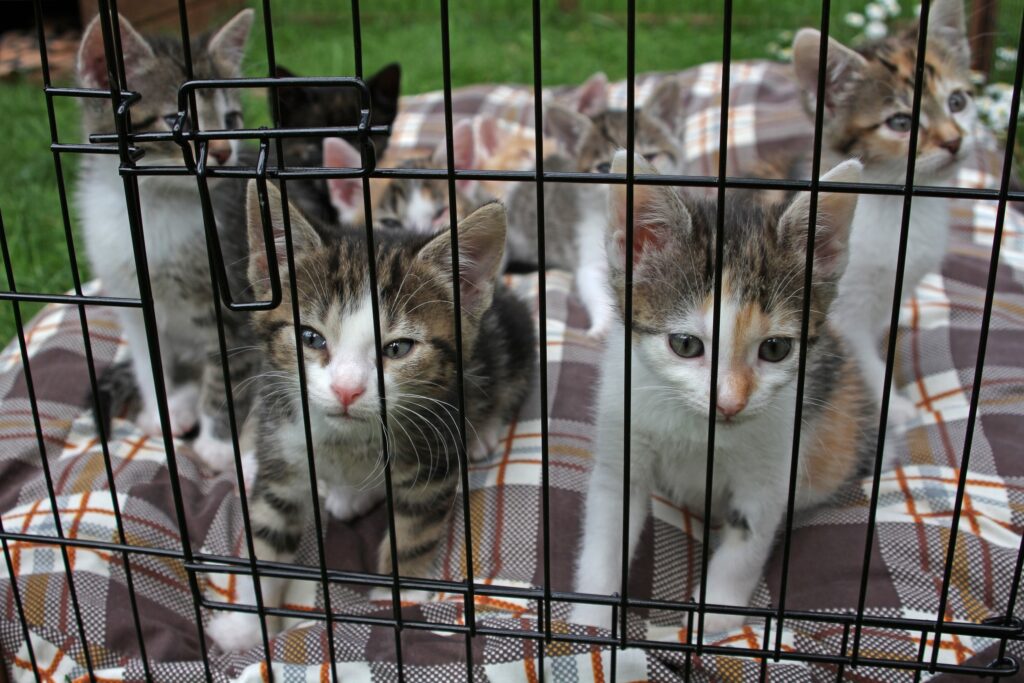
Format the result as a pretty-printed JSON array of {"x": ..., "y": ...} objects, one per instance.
[
  {"x": 686, "y": 345},
  {"x": 900, "y": 123},
  {"x": 774, "y": 349},
  {"x": 392, "y": 223},
  {"x": 313, "y": 339},
  {"x": 652, "y": 156},
  {"x": 441, "y": 211},
  {"x": 398, "y": 348},
  {"x": 171, "y": 119},
  {"x": 604, "y": 167},
  {"x": 233, "y": 119},
  {"x": 957, "y": 101}
]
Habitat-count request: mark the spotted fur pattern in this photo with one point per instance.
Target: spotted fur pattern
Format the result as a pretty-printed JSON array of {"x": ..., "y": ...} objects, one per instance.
[{"x": 415, "y": 288}]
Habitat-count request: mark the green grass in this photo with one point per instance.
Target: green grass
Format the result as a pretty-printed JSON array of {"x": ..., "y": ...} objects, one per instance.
[{"x": 491, "y": 41}]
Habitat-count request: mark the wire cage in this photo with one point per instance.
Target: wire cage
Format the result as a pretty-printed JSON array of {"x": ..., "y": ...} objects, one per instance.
[{"x": 547, "y": 637}]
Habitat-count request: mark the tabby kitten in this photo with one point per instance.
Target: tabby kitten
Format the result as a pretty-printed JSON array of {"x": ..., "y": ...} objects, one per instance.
[
  {"x": 868, "y": 100},
  {"x": 417, "y": 329},
  {"x": 761, "y": 311},
  {"x": 172, "y": 223},
  {"x": 418, "y": 204}
]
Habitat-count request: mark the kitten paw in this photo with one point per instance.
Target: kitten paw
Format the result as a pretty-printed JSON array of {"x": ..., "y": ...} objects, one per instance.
[
  {"x": 383, "y": 594},
  {"x": 599, "y": 329},
  {"x": 235, "y": 631},
  {"x": 486, "y": 443},
  {"x": 217, "y": 454},
  {"x": 346, "y": 503},
  {"x": 182, "y": 411},
  {"x": 902, "y": 411},
  {"x": 720, "y": 623},
  {"x": 599, "y": 616}
]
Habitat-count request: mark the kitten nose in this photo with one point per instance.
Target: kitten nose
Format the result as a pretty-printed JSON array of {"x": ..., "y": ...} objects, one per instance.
[
  {"x": 952, "y": 145},
  {"x": 220, "y": 150},
  {"x": 347, "y": 393},
  {"x": 730, "y": 407}
]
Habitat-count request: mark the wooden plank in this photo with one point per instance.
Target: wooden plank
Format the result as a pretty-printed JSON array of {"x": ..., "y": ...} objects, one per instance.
[
  {"x": 162, "y": 15},
  {"x": 981, "y": 33}
]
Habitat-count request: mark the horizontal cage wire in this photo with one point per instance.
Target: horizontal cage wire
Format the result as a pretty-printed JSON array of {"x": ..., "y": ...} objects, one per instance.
[{"x": 128, "y": 534}]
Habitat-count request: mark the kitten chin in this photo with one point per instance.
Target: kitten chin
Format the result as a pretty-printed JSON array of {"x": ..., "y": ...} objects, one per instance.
[{"x": 762, "y": 280}]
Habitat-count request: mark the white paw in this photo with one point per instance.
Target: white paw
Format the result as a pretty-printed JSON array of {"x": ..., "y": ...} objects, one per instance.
[
  {"x": 183, "y": 409},
  {"x": 599, "y": 328},
  {"x": 486, "y": 442},
  {"x": 235, "y": 631},
  {"x": 383, "y": 594},
  {"x": 250, "y": 466},
  {"x": 902, "y": 411},
  {"x": 720, "y": 623},
  {"x": 346, "y": 503},
  {"x": 149, "y": 422},
  {"x": 599, "y": 616},
  {"x": 217, "y": 454}
]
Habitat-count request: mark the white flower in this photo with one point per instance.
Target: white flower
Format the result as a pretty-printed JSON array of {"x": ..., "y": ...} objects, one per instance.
[
  {"x": 875, "y": 30},
  {"x": 917, "y": 10},
  {"x": 892, "y": 7},
  {"x": 1006, "y": 54},
  {"x": 875, "y": 12},
  {"x": 854, "y": 19}
]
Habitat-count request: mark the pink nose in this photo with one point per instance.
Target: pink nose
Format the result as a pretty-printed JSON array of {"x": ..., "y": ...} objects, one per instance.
[
  {"x": 347, "y": 394},
  {"x": 730, "y": 408},
  {"x": 221, "y": 154}
]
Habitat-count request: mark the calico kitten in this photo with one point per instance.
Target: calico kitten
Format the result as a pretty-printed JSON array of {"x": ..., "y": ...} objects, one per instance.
[
  {"x": 172, "y": 224},
  {"x": 868, "y": 100},
  {"x": 315, "y": 107},
  {"x": 417, "y": 328},
  {"x": 418, "y": 204},
  {"x": 761, "y": 311}
]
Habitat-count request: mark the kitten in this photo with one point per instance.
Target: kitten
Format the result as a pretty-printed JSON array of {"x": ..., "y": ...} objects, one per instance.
[
  {"x": 574, "y": 213},
  {"x": 316, "y": 107},
  {"x": 868, "y": 99},
  {"x": 417, "y": 329},
  {"x": 172, "y": 224},
  {"x": 762, "y": 286},
  {"x": 418, "y": 204}
]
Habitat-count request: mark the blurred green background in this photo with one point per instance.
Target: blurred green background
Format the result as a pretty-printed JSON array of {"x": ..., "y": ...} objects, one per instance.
[{"x": 491, "y": 41}]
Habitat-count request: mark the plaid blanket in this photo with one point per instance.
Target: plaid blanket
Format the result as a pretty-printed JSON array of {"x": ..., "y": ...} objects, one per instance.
[{"x": 937, "y": 352}]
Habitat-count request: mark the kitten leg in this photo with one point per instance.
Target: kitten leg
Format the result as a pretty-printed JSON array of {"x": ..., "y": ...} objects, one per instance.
[
  {"x": 592, "y": 276},
  {"x": 213, "y": 445},
  {"x": 486, "y": 439},
  {"x": 599, "y": 569},
  {"x": 422, "y": 519},
  {"x": 181, "y": 400},
  {"x": 747, "y": 539},
  {"x": 277, "y": 506},
  {"x": 346, "y": 503},
  {"x": 863, "y": 347}
]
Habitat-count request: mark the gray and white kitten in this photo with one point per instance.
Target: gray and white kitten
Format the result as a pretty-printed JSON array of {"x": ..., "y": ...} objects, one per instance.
[
  {"x": 419, "y": 354},
  {"x": 172, "y": 225},
  {"x": 760, "y": 315},
  {"x": 868, "y": 98}
]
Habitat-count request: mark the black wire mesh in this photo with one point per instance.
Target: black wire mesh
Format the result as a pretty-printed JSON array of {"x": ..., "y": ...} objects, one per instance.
[{"x": 194, "y": 147}]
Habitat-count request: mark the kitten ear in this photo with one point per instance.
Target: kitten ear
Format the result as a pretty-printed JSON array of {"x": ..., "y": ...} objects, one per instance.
[
  {"x": 346, "y": 193},
  {"x": 946, "y": 23},
  {"x": 658, "y": 214},
  {"x": 304, "y": 237},
  {"x": 488, "y": 136},
  {"x": 663, "y": 104},
  {"x": 92, "y": 62},
  {"x": 464, "y": 148},
  {"x": 384, "y": 86},
  {"x": 843, "y": 64},
  {"x": 592, "y": 97},
  {"x": 227, "y": 45},
  {"x": 567, "y": 127},
  {"x": 481, "y": 251},
  {"x": 832, "y": 227}
]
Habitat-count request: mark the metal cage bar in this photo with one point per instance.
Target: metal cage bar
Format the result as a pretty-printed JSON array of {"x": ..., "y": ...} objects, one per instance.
[{"x": 1005, "y": 629}]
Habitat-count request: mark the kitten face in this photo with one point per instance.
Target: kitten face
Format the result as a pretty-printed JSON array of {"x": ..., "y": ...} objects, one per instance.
[
  {"x": 762, "y": 283},
  {"x": 417, "y": 325},
  {"x": 154, "y": 67},
  {"x": 870, "y": 95}
]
